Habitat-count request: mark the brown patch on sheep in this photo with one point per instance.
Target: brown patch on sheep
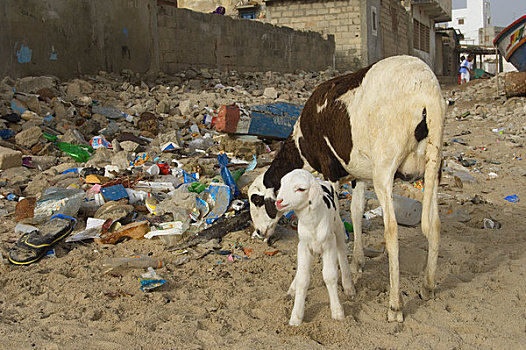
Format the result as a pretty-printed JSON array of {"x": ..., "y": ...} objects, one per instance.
[
  {"x": 331, "y": 121},
  {"x": 325, "y": 117}
]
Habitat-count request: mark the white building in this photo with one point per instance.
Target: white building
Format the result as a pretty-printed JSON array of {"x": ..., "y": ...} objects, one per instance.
[{"x": 468, "y": 17}]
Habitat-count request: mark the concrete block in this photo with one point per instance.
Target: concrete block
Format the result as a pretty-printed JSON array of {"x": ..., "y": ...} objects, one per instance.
[
  {"x": 29, "y": 137},
  {"x": 9, "y": 158}
]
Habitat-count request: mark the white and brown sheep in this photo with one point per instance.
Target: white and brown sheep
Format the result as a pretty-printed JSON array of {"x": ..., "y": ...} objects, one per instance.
[
  {"x": 381, "y": 122},
  {"x": 320, "y": 231}
]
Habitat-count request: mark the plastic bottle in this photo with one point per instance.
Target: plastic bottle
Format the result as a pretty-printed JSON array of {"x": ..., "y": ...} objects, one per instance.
[
  {"x": 111, "y": 112},
  {"x": 135, "y": 261},
  {"x": 55, "y": 200},
  {"x": 80, "y": 153},
  {"x": 408, "y": 211}
]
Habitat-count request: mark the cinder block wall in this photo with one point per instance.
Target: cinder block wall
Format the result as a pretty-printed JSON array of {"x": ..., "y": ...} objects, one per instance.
[
  {"x": 395, "y": 24},
  {"x": 69, "y": 38},
  {"x": 193, "y": 39},
  {"x": 338, "y": 17}
]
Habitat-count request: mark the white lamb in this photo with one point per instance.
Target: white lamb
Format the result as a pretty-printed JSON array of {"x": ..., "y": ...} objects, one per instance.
[{"x": 320, "y": 231}]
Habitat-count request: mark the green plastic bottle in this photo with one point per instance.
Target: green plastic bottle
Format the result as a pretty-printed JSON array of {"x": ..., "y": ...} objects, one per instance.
[{"x": 80, "y": 153}]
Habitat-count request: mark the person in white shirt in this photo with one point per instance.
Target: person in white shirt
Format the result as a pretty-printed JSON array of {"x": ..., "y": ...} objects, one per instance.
[{"x": 466, "y": 68}]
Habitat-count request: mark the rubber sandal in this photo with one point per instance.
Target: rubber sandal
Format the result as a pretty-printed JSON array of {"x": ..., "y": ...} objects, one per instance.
[{"x": 32, "y": 246}]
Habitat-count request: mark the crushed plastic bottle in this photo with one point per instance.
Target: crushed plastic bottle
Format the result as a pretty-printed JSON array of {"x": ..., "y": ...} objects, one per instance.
[
  {"x": 136, "y": 261},
  {"x": 111, "y": 112},
  {"x": 55, "y": 200}
]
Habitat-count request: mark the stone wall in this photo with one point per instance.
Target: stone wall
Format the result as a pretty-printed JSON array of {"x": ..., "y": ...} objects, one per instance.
[
  {"x": 193, "y": 39},
  {"x": 341, "y": 18},
  {"x": 69, "y": 38}
]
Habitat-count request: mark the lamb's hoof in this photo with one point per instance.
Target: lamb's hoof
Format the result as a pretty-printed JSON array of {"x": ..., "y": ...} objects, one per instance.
[
  {"x": 427, "y": 293},
  {"x": 356, "y": 267},
  {"x": 295, "y": 321},
  {"x": 349, "y": 291},
  {"x": 338, "y": 315},
  {"x": 395, "y": 316}
]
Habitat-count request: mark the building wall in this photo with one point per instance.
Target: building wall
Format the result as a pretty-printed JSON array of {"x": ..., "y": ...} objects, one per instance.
[
  {"x": 67, "y": 39},
  {"x": 476, "y": 15},
  {"x": 396, "y": 33},
  {"x": 193, "y": 39},
  {"x": 342, "y": 18},
  {"x": 74, "y": 37}
]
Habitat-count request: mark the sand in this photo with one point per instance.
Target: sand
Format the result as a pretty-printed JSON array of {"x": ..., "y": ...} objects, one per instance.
[{"x": 71, "y": 302}]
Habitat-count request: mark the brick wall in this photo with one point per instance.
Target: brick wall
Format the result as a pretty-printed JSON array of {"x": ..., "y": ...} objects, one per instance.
[
  {"x": 395, "y": 27},
  {"x": 338, "y": 17}
]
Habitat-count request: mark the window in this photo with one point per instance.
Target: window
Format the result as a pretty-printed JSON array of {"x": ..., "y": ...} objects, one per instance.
[
  {"x": 374, "y": 21},
  {"x": 459, "y": 4},
  {"x": 248, "y": 14},
  {"x": 421, "y": 39},
  {"x": 460, "y": 21}
]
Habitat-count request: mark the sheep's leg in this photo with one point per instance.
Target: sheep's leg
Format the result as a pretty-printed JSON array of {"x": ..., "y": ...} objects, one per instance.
[
  {"x": 330, "y": 276},
  {"x": 383, "y": 186},
  {"x": 431, "y": 224},
  {"x": 357, "y": 208},
  {"x": 347, "y": 283},
  {"x": 301, "y": 282}
]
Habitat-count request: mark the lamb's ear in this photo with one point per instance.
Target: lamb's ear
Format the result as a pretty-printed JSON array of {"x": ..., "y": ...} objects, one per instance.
[{"x": 315, "y": 194}]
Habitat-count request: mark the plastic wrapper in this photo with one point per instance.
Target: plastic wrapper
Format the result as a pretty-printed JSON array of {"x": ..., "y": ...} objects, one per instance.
[{"x": 226, "y": 175}]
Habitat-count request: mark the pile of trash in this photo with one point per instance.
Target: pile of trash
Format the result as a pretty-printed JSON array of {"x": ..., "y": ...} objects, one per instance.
[{"x": 112, "y": 157}]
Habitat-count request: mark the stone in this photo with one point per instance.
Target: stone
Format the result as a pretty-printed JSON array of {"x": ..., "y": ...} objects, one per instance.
[
  {"x": 185, "y": 107},
  {"x": 34, "y": 84},
  {"x": 162, "y": 107},
  {"x": 271, "y": 93},
  {"x": 9, "y": 158},
  {"x": 37, "y": 185},
  {"x": 129, "y": 146},
  {"x": 29, "y": 137}
]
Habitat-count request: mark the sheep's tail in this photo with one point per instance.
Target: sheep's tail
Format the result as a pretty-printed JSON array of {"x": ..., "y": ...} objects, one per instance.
[{"x": 436, "y": 109}]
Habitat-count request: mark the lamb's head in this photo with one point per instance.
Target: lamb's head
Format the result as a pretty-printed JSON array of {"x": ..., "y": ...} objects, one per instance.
[
  {"x": 263, "y": 211},
  {"x": 299, "y": 189}
]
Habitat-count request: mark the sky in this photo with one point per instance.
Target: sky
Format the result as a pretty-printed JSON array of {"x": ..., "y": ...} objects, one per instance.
[{"x": 505, "y": 12}]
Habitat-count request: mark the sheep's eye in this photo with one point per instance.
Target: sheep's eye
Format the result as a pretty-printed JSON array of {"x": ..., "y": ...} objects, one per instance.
[{"x": 300, "y": 190}]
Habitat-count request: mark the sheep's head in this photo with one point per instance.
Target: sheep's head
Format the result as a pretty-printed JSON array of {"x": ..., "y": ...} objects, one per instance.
[
  {"x": 298, "y": 190},
  {"x": 263, "y": 211}
]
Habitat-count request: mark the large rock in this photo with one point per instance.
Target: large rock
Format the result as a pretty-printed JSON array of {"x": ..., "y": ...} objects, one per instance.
[
  {"x": 271, "y": 93},
  {"x": 9, "y": 158},
  {"x": 29, "y": 137},
  {"x": 33, "y": 84}
]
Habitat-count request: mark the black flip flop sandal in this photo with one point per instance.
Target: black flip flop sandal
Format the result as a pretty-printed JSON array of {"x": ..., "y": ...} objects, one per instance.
[{"x": 32, "y": 246}]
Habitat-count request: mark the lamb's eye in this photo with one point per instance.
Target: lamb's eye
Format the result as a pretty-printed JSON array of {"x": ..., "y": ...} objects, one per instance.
[{"x": 300, "y": 190}]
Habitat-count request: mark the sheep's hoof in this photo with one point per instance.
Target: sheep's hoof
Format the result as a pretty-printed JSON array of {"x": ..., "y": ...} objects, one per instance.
[
  {"x": 427, "y": 293},
  {"x": 395, "y": 316},
  {"x": 295, "y": 321}
]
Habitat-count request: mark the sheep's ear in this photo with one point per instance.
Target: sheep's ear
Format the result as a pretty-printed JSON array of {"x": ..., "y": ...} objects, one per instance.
[{"x": 315, "y": 194}]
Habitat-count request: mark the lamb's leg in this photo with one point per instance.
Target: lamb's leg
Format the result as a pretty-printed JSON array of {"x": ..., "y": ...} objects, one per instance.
[
  {"x": 347, "y": 283},
  {"x": 357, "y": 208},
  {"x": 330, "y": 276},
  {"x": 301, "y": 282},
  {"x": 292, "y": 288},
  {"x": 383, "y": 186}
]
